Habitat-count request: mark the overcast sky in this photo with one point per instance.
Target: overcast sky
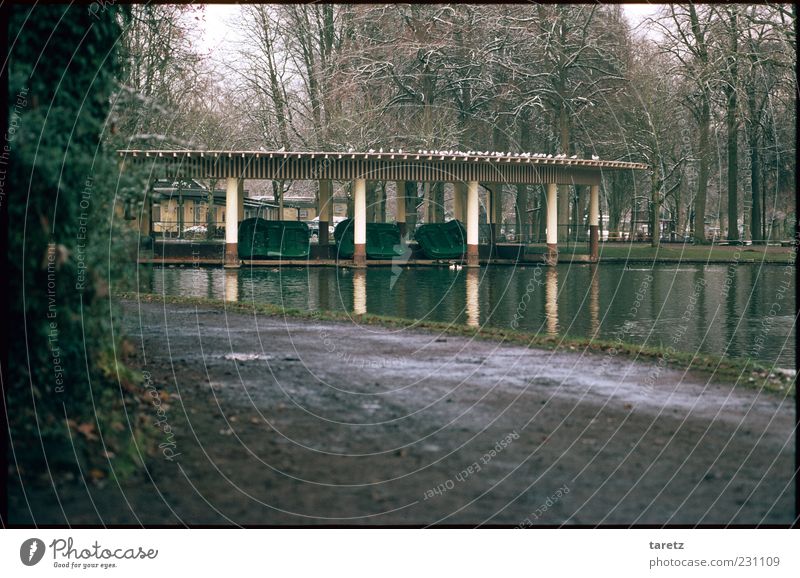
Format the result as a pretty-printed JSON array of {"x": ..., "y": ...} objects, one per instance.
[{"x": 221, "y": 22}]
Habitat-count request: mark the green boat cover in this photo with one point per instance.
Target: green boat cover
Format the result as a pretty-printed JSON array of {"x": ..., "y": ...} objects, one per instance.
[
  {"x": 442, "y": 240},
  {"x": 263, "y": 239},
  {"x": 383, "y": 240}
]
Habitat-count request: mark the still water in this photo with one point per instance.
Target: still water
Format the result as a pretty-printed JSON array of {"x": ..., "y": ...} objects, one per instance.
[{"x": 744, "y": 311}]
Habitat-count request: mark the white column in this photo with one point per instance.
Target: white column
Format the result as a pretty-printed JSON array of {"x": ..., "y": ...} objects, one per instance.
[
  {"x": 360, "y": 210},
  {"x": 473, "y": 213},
  {"x": 472, "y": 224},
  {"x": 360, "y": 222},
  {"x": 551, "y": 258},
  {"x": 594, "y": 222},
  {"x": 232, "y": 223},
  {"x": 552, "y": 214}
]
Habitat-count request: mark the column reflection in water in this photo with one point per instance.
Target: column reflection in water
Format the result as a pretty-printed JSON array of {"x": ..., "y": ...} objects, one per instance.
[
  {"x": 473, "y": 304},
  {"x": 359, "y": 291},
  {"x": 231, "y": 285},
  {"x": 551, "y": 300},
  {"x": 594, "y": 301}
]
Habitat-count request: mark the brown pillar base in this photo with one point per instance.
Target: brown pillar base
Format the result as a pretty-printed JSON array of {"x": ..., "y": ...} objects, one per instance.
[
  {"x": 323, "y": 233},
  {"x": 551, "y": 257},
  {"x": 231, "y": 256},
  {"x": 594, "y": 243},
  {"x": 360, "y": 256},
  {"x": 472, "y": 256}
]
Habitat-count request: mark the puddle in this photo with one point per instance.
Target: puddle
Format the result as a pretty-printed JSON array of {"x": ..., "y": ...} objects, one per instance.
[{"x": 245, "y": 356}]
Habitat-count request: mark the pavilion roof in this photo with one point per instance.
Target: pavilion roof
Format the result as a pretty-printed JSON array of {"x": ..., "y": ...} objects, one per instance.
[{"x": 398, "y": 164}]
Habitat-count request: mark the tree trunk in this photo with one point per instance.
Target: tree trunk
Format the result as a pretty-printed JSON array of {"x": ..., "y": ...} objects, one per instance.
[
  {"x": 702, "y": 184},
  {"x": 411, "y": 208},
  {"x": 732, "y": 126},
  {"x": 563, "y": 190},
  {"x": 678, "y": 195},
  {"x": 655, "y": 207},
  {"x": 582, "y": 221},
  {"x": 371, "y": 194},
  {"x": 382, "y": 202},
  {"x": 210, "y": 224},
  {"x": 523, "y": 217},
  {"x": 522, "y": 213},
  {"x": 757, "y": 233},
  {"x": 436, "y": 214},
  {"x": 733, "y": 169}
]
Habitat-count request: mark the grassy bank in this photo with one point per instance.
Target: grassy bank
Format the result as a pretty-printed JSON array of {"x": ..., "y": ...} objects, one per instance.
[
  {"x": 730, "y": 370},
  {"x": 671, "y": 253}
]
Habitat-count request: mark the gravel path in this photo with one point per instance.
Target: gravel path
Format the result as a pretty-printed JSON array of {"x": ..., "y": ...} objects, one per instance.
[{"x": 296, "y": 422}]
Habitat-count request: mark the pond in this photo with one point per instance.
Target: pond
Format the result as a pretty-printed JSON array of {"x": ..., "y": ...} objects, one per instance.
[{"x": 739, "y": 311}]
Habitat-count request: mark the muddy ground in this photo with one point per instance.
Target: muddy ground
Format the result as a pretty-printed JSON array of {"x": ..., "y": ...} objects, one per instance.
[{"x": 285, "y": 421}]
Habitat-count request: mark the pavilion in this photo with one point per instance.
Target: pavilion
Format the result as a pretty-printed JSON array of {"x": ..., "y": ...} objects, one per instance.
[{"x": 464, "y": 169}]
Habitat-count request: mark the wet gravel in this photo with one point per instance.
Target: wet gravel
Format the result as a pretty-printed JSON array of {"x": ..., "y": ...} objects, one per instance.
[{"x": 293, "y": 422}]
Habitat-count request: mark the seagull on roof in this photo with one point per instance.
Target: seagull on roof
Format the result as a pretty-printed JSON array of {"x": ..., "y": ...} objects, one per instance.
[{"x": 595, "y": 158}]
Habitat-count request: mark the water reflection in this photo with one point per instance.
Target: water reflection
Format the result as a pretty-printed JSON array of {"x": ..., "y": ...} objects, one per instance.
[
  {"x": 551, "y": 300},
  {"x": 594, "y": 301},
  {"x": 580, "y": 300},
  {"x": 473, "y": 308},
  {"x": 231, "y": 285},
  {"x": 359, "y": 291}
]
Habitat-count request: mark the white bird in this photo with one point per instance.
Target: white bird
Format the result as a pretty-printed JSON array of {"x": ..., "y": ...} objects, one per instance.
[
  {"x": 595, "y": 158},
  {"x": 549, "y": 156},
  {"x": 574, "y": 157},
  {"x": 380, "y": 150},
  {"x": 371, "y": 150},
  {"x": 280, "y": 150},
  {"x": 399, "y": 151},
  {"x": 351, "y": 149}
]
